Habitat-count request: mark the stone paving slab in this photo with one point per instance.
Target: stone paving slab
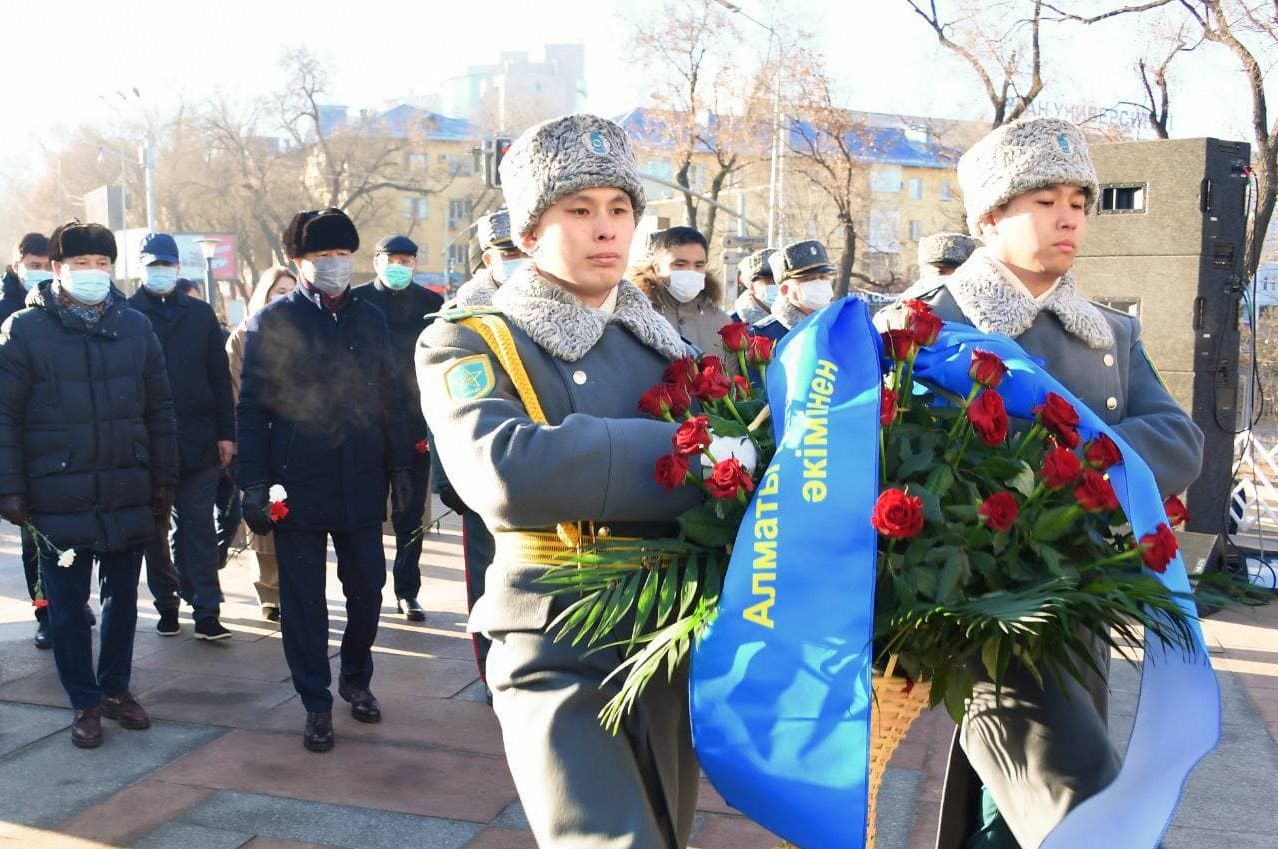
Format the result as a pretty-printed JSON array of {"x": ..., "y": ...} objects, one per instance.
[
  {"x": 133, "y": 812},
  {"x": 173, "y": 835},
  {"x": 216, "y": 700},
  {"x": 22, "y": 725}
]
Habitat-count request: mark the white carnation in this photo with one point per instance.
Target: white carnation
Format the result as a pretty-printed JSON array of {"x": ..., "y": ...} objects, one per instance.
[
  {"x": 66, "y": 558},
  {"x": 277, "y": 493}
]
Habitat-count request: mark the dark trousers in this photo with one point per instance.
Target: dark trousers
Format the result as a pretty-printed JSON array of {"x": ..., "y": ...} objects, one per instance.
[
  {"x": 188, "y": 570},
  {"x": 67, "y": 589},
  {"x": 227, "y": 513},
  {"x": 409, "y": 532},
  {"x": 31, "y": 569},
  {"x": 478, "y": 550},
  {"x": 361, "y": 567}
]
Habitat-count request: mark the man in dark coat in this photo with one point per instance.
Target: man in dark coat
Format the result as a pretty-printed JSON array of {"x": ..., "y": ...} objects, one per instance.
[
  {"x": 805, "y": 275},
  {"x": 88, "y": 458},
  {"x": 194, "y": 355},
  {"x": 30, "y": 268},
  {"x": 408, "y": 309},
  {"x": 321, "y": 415}
]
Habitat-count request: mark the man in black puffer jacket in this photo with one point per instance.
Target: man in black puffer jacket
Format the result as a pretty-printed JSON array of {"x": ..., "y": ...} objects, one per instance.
[{"x": 88, "y": 457}]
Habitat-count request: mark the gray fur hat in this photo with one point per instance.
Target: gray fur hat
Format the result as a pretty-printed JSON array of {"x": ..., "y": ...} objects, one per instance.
[
  {"x": 556, "y": 158},
  {"x": 1020, "y": 157},
  {"x": 948, "y": 249},
  {"x": 493, "y": 230},
  {"x": 756, "y": 264}
]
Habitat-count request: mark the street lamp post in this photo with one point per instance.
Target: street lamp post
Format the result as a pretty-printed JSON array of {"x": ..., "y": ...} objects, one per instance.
[
  {"x": 776, "y": 178},
  {"x": 208, "y": 247}
]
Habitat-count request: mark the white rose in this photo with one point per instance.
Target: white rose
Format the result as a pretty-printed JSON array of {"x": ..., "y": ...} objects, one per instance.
[
  {"x": 277, "y": 493},
  {"x": 66, "y": 558}
]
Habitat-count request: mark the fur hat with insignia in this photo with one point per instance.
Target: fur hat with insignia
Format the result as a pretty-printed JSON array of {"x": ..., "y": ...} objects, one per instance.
[
  {"x": 77, "y": 239},
  {"x": 556, "y": 158},
  {"x": 756, "y": 264},
  {"x": 798, "y": 259},
  {"x": 320, "y": 230},
  {"x": 946, "y": 249},
  {"x": 493, "y": 231},
  {"x": 1020, "y": 157}
]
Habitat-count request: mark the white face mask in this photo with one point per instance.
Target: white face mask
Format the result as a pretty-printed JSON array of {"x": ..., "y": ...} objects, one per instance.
[
  {"x": 506, "y": 269},
  {"x": 32, "y": 277},
  {"x": 686, "y": 285},
  {"x": 330, "y": 275},
  {"x": 770, "y": 293},
  {"x": 815, "y": 294},
  {"x": 89, "y": 286},
  {"x": 160, "y": 279}
]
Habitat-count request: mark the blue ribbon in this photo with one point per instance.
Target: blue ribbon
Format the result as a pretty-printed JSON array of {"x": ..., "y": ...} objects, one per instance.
[{"x": 780, "y": 689}]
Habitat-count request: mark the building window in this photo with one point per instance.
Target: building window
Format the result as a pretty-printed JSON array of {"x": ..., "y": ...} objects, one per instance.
[
  {"x": 945, "y": 192},
  {"x": 417, "y": 160},
  {"x": 458, "y": 213},
  {"x": 885, "y": 231},
  {"x": 1119, "y": 199},
  {"x": 416, "y": 208},
  {"x": 885, "y": 179},
  {"x": 916, "y": 230},
  {"x": 916, "y": 188},
  {"x": 459, "y": 256}
]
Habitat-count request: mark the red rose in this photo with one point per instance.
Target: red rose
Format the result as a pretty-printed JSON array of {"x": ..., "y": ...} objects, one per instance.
[
  {"x": 999, "y": 511},
  {"x": 987, "y": 369},
  {"x": 900, "y": 345},
  {"x": 1061, "y": 467},
  {"x": 422, "y": 446},
  {"x": 682, "y": 371},
  {"x": 728, "y": 478},
  {"x": 988, "y": 417},
  {"x": 693, "y": 436},
  {"x": 1177, "y": 512},
  {"x": 1102, "y": 452},
  {"x": 1158, "y": 549},
  {"x": 926, "y": 326},
  {"x": 672, "y": 469},
  {"x": 887, "y": 406},
  {"x": 897, "y": 515},
  {"x": 1059, "y": 416},
  {"x": 678, "y": 398},
  {"x": 741, "y": 388},
  {"x": 277, "y": 511},
  {"x": 656, "y": 401},
  {"x": 759, "y": 350},
  {"x": 735, "y": 336},
  {"x": 40, "y": 602},
  {"x": 712, "y": 382},
  {"x": 1095, "y": 494},
  {"x": 915, "y": 305}
]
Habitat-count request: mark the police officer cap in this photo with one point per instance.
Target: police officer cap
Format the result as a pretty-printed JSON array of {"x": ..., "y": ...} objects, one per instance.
[
  {"x": 396, "y": 245},
  {"x": 946, "y": 249},
  {"x": 493, "y": 231},
  {"x": 756, "y": 264},
  {"x": 320, "y": 230},
  {"x": 77, "y": 239},
  {"x": 158, "y": 247},
  {"x": 798, "y": 259}
]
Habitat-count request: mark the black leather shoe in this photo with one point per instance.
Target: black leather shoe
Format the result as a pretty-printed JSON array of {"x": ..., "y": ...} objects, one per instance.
[
  {"x": 318, "y": 736},
  {"x": 364, "y": 706},
  {"x": 412, "y": 610},
  {"x": 43, "y": 639}
]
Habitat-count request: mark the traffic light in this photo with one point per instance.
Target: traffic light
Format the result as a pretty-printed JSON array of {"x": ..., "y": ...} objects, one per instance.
[{"x": 494, "y": 151}]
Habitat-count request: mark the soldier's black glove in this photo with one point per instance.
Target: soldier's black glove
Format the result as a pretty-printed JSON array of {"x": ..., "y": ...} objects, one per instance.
[
  {"x": 257, "y": 510},
  {"x": 401, "y": 493},
  {"x": 162, "y": 502},
  {"x": 452, "y": 500},
  {"x": 14, "y": 508}
]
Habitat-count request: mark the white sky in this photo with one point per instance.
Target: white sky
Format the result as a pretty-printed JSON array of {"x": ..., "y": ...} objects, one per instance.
[{"x": 885, "y": 57}]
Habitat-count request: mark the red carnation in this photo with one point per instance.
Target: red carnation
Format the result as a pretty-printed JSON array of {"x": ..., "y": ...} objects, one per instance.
[
  {"x": 277, "y": 511},
  {"x": 1177, "y": 512},
  {"x": 987, "y": 369},
  {"x": 926, "y": 327},
  {"x": 900, "y": 345},
  {"x": 759, "y": 350},
  {"x": 422, "y": 446},
  {"x": 1158, "y": 549},
  {"x": 682, "y": 371},
  {"x": 999, "y": 511},
  {"x": 672, "y": 469},
  {"x": 693, "y": 436},
  {"x": 1061, "y": 467},
  {"x": 887, "y": 406},
  {"x": 678, "y": 398},
  {"x": 728, "y": 479},
  {"x": 1102, "y": 452},
  {"x": 735, "y": 336},
  {"x": 1059, "y": 416},
  {"x": 712, "y": 381},
  {"x": 656, "y": 401},
  {"x": 40, "y": 602},
  {"x": 988, "y": 417},
  {"x": 1095, "y": 494},
  {"x": 897, "y": 515}
]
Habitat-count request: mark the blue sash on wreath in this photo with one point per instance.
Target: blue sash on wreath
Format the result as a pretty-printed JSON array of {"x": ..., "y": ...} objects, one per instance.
[{"x": 780, "y": 689}]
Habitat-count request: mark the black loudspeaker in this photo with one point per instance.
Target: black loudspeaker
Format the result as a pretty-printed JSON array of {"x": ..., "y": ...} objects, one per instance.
[{"x": 1166, "y": 244}]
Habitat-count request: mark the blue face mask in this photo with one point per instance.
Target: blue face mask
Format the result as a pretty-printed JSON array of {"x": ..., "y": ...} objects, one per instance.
[
  {"x": 89, "y": 286},
  {"x": 509, "y": 267},
  {"x": 770, "y": 293},
  {"x": 33, "y": 277},
  {"x": 160, "y": 279},
  {"x": 396, "y": 276}
]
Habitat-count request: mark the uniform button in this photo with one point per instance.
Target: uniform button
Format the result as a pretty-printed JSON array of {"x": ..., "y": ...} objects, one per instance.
[
  {"x": 579, "y": 377},
  {"x": 1109, "y": 360},
  {"x": 1111, "y": 403}
]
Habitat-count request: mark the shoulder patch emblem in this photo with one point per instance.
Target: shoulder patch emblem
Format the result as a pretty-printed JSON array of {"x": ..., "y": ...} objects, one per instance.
[
  {"x": 457, "y": 314},
  {"x": 470, "y": 378}
]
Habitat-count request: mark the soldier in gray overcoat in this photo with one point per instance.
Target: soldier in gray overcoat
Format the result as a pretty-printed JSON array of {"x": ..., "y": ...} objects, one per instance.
[
  {"x": 566, "y": 447},
  {"x": 941, "y": 254},
  {"x": 1023, "y": 760}
]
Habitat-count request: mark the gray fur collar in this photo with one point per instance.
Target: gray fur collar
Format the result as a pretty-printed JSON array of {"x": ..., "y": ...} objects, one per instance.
[
  {"x": 478, "y": 291},
  {"x": 568, "y": 329},
  {"x": 784, "y": 311},
  {"x": 995, "y": 306},
  {"x": 748, "y": 309}
]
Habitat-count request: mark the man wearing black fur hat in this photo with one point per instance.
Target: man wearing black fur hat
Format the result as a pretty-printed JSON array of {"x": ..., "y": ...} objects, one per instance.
[
  {"x": 320, "y": 415},
  {"x": 88, "y": 459}
]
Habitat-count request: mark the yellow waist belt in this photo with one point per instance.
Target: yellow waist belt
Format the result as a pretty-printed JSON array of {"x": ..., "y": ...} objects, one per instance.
[{"x": 547, "y": 548}]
